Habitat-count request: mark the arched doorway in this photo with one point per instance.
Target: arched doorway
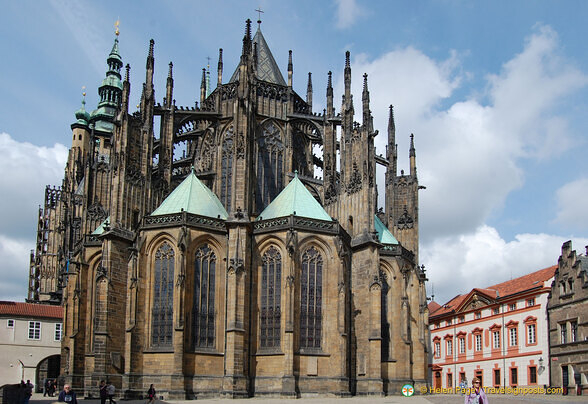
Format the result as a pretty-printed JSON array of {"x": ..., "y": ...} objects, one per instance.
[{"x": 48, "y": 368}]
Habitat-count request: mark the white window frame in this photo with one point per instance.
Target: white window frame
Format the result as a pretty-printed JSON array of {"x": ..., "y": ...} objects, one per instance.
[
  {"x": 462, "y": 348},
  {"x": 10, "y": 323},
  {"x": 34, "y": 330},
  {"x": 58, "y": 332},
  {"x": 531, "y": 334},
  {"x": 512, "y": 306},
  {"x": 437, "y": 349},
  {"x": 478, "y": 339},
  {"x": 496, "y": 339},
  {"x": 512, "y": 332},
  {"x": 449, "y": 347}
]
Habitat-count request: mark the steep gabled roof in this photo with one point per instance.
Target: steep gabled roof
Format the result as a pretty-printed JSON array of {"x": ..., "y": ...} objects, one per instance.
[
  {"x": 384, "y": 235},
  {"x": 267, "y": 68},
  {"x": 295, "y": 200},
  {"x": 30, "y": 310},
  {"x": 192, "y": 196}
]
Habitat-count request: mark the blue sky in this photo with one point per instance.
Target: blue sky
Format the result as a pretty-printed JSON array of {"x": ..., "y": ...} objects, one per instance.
[{"x": 496, "y": 93}]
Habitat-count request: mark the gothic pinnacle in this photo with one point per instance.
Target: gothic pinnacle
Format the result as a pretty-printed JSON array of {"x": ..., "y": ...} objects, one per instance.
[{"x": 170, "y": 72}]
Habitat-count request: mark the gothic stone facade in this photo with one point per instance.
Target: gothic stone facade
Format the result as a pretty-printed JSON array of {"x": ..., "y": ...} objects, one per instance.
[
  {"x": 242, "y": 305},
  {"x": 567, "y": 310}
]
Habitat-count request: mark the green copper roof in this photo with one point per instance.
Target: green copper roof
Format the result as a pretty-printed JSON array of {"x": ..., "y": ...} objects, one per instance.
[
  {"x": 192, "y": 196},
  {"x": 384, "y": 235},
  {"x": 267, "y": 68},
  {"x": 100, "y": 229},
  {"x": 296, "y": 200},
  {"x": 82, "y": 116}
]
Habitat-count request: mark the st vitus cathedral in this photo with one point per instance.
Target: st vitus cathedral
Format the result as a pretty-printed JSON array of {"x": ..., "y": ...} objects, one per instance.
[{"x": 194, "y": 248}]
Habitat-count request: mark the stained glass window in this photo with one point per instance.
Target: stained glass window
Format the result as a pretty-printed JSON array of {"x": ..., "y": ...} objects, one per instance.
[
  {"x": 271, "y": 275},
  {"x": 163, "y": 297},
  {"x": 311, "y": 294},
  {"x": 385, "y": 320},
  {"x": 227, "y": 170},
  {"x": 204, "y": 283},
  {"x": 270, "y": 151}
]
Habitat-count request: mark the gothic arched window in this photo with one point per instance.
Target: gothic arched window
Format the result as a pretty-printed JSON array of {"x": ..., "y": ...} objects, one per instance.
[
  {"x": 271, "y": 276},
  {"x": 203, "y": 311},
  {"x": 227, "y": 169},
  {"x": 311, "y": 293},
  {"x": 163, "y": 297},
  {"x": 385, "y": 317},
  {"x": 270, "y": 172}
]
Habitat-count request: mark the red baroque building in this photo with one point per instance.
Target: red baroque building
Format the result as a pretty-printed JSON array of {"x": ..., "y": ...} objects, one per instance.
[{"x": 498, "y": 333}]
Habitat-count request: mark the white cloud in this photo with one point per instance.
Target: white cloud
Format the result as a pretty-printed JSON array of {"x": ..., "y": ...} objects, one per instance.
[
  {"x": 470, "y": 154},
  {"x": 482, "y": 258},
  {"x": 348, "y": 11},
  {"x": 26, "y": 169},
  {"x": 571, "y": 205}
]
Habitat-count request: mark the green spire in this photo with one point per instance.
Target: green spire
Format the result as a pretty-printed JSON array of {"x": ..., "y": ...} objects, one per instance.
[
  {"x": 192, "y": 196},
  {"x": 110, "y": 91},
  {"x": 295, "y": 200},
  {"x": 82, "y": 116}
]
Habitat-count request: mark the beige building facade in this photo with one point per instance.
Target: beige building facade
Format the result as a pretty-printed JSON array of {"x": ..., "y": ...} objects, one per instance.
[
  {"x": 203, "y": 255},
  {"x": 30, "y": 342}
]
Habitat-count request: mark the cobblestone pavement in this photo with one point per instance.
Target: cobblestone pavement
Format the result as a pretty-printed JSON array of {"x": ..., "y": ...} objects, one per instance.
[{"x": 427, "y": 399}]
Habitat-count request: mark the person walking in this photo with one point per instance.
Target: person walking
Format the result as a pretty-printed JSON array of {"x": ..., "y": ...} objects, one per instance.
[
  {"x": 103, "y": 392},
  {"x": 67, "y": 396},
  {"x": 28, "y": 391},
  {"x": 151, "y": 394},
  {"x": 110, "y": 390},
  {"x": 476, "y": 394}
]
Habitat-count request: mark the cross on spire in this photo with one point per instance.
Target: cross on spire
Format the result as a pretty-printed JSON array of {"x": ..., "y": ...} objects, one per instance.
[
  {"x": 259, "y": 12},
  {"x": 116, "y": 25}
]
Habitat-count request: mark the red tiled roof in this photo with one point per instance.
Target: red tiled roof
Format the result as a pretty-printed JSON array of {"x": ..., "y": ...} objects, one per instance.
[
  {"x": 433, "y": 306},
  {"x": 30, "y": 310},
  {"x": 501, "y": 290}
]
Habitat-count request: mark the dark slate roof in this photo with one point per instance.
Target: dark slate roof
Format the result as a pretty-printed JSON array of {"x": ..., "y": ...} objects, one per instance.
[{"x": 267, "y": 68}]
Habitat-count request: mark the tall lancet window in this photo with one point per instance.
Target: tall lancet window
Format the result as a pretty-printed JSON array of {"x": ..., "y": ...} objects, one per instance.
[
  {"x": 227, "y": 169},
  {"x": 385, "y": 316},
  {"x": 311, "y": 293},
  {"x": 271, "y": 276},
  {"x": 270, "y": 173},
  {"x": 163, "y": 297},
  {"x": 203, "y": 312}
]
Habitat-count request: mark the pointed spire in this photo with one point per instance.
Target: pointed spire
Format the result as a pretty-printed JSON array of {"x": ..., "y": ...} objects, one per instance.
[
  {"x": 247, "y": 38},
  {"x": 290, "y": 68},
  {"x": 309, "y": 92},
  {"x": 126, "y": 88},
  {"x": 412, "y": 156},
  {"x": 365, "y": 97},
  {"x": 220, "y": 67},
  {"x": 169, "y": 85},
  {"x": 391, "y": 152},
  {"x": 347, "y": 77},
  {"x": 151, "y": 45},
  {"x": 330, "y": 109},
  {"x": 203, "y": 86}
]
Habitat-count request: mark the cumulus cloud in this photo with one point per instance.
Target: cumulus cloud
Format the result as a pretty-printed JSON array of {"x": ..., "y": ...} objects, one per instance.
[
  {"x": 472, "y": 151},
  {"x": 482, "y": 258},
  {"x": 571, "y": 205},
  {"x": 26, "y": 169},
  {"x": 348, "y": 11}
]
